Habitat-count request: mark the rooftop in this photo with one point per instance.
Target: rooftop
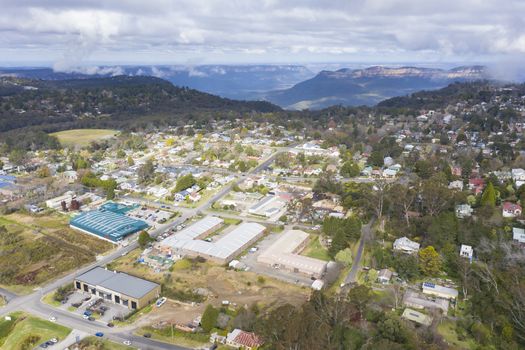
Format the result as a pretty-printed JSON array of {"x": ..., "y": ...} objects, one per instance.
[
  {"x": 107, "y": 224},
  {"x": 117, "y": 281}
]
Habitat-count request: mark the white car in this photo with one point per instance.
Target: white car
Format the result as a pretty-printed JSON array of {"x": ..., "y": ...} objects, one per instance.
[
  {"x": 53, "y": 319},
  {"x": 161, "y": 302},
  {"x": 126, "y": 342},
  {"x": 53, "y": 340}
]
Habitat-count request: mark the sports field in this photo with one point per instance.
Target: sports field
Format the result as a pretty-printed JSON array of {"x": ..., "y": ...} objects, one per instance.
[
  {"x": 24, "y": 331},
  {"x": 83, "y": 137}
]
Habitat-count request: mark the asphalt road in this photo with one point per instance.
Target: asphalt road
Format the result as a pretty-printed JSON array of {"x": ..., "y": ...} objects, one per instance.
[
  {"x": 32, "y": 302},
  {"x": 356, "y": 265}
]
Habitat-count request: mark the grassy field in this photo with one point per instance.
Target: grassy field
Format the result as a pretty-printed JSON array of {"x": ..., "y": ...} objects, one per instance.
[
  {"x": 82, "y": 137},
  {"x": 190, "y": 340},
  {"x": 29, "y": 331},
  {"x": 38, "y": 249},
  {"x": 94, "y": 343},
  {"x": 314, "y": 249},
  {"x": 447, "y": 330}
]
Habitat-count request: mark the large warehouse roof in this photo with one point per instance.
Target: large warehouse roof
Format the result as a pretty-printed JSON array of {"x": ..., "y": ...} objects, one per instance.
[
  {"x": 107, "y": 224},
  {"x": 195, "y": 230},
  {"x": 118, "y": 282},
  {"x": 283, "y": 251},
  {"x": 221, "y": 249}
]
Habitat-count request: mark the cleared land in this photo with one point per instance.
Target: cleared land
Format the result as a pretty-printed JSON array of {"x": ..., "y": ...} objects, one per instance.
[
  {"x": 25, "y": 332},
  {"x": 37, "y": 249},
  {"x": 189, "y": 280},
  {"x": 82, "y": 137}
]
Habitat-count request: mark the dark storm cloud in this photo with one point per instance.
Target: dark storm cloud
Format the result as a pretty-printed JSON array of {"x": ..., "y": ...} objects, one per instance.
[{"x": 71, "y": 32}]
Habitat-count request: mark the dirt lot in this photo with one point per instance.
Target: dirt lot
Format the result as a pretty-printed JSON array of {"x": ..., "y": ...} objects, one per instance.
[
  {"x": 239, "y": 288},
  {"x": 38, "y": 249}
]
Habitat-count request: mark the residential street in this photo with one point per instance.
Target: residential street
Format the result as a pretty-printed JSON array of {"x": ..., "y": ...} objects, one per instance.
[
  {"x": 356, "y": 265},
  {"x": 32, "y": 302}
]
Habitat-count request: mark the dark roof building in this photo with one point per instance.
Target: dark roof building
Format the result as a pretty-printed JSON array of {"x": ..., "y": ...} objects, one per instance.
[{"x": 118, "y": 287}]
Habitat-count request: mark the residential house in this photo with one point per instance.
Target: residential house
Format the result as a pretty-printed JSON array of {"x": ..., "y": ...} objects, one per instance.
[
  {"x": 439, "y": 291},
  {"x": 245, "y": 340},
  {"x": 405, "y": 245},
  {"x": 476, "y": 185},
  {"x": 463, "y": 211},
  {"x": 417, "y": 317},
  {"x": 384, "y": 276},
  {"x": 511, "y": 210},
  {"x": 456, "y": 185},
  {"x": 466, "y": 251},
  {"x": 518, "y": 234}
]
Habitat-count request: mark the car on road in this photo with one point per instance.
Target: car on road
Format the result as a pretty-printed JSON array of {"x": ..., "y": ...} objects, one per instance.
[
  {"x": 147, "y": 335},
  {"x": 99, "y": 334},
  {"x": 126, "y": 342}
]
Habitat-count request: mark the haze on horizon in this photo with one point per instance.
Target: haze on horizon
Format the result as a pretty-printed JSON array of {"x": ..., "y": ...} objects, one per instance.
[{"x": 66, "y": 35}]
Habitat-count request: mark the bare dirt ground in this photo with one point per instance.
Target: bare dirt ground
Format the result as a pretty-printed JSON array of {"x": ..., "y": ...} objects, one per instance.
[{"x": 239, "y": 288}]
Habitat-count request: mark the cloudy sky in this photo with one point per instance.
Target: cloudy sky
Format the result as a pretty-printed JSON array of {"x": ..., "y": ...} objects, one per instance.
[{"x": 67, "y": 33}]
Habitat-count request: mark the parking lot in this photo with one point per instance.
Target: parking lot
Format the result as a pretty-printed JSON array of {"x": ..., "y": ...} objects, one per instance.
[
  {"x": 152, "y": 217},
  {"x": 85, "y": 305}
]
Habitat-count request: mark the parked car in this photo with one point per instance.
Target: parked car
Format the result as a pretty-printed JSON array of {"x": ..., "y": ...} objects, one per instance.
[
  {"x": 160, "y": 302},
  {"x": 99, "y": 334},
  {"x": 52, "y": 319},
  {"x": 147, "y": 335},
  {"x": 126, "y": 342}
]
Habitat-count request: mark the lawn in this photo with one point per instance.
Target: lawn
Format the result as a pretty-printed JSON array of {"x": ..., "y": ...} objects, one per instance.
[
  {"x": 314, "y": 249},
  {"x": 82, "y": 137},
  {"x": 190, "y": 340},
  {"x": 38, "y": 249},
  {"x": 26, "y": 330},
  {"x": 94, "y": 343},
  {"x": 447, "y": 330}
]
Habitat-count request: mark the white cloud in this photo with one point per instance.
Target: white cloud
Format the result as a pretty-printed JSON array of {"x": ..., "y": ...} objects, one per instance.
[{"x": 80, "y": 32}]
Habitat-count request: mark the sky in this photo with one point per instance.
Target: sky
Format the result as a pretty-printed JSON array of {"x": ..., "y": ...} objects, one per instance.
[{"x": 70, "y": 33}]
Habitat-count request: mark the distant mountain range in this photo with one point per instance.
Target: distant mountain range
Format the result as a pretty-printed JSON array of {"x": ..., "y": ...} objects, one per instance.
[
  {"x": 241, "y": 82},
  {"x": 369, "y": 86},
  {"x": 288, "y": 86}
]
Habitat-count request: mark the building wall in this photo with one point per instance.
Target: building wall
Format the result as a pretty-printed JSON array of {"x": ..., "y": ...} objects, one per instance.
[{"x": 141, "y": 302}]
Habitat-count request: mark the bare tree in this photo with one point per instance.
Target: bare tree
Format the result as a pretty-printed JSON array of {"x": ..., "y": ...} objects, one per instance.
[
  {"x": 465, "y": 270},
  {"x": 379, "y": 191},
  {"x": 485, "y": 274}
]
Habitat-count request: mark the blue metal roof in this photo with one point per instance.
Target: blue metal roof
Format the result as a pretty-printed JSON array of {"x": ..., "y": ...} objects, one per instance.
[{"x": 107, "y": 224}]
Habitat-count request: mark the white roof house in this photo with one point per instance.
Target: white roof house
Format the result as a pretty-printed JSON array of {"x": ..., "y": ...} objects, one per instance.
[
  {"x": 466, "y": 251},
  {"x": 518, "y": 234},
  {"x": 384, "y": 276},
  {"x": 439, "y": 291},
  {"x": 417, "y": 317},
  {"x": 406, "y": 245},
  {"x": 463, "y": 211},
  {"x": 456, "y": 185}
]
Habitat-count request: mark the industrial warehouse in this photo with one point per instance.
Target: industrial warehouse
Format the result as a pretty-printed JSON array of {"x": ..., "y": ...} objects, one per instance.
[
  {"x": 118, "y": 287},
  {"x": 187, "y": 241},
  {"x": 107, "y": 225},
  {"x": 284, "y": 253}
]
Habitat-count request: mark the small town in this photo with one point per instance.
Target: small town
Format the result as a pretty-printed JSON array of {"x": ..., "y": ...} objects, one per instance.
[{"x": 262, "y": 175}]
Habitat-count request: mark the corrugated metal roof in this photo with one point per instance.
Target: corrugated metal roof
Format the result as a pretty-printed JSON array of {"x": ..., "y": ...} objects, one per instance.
[{"x": 118, "y": 282}]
